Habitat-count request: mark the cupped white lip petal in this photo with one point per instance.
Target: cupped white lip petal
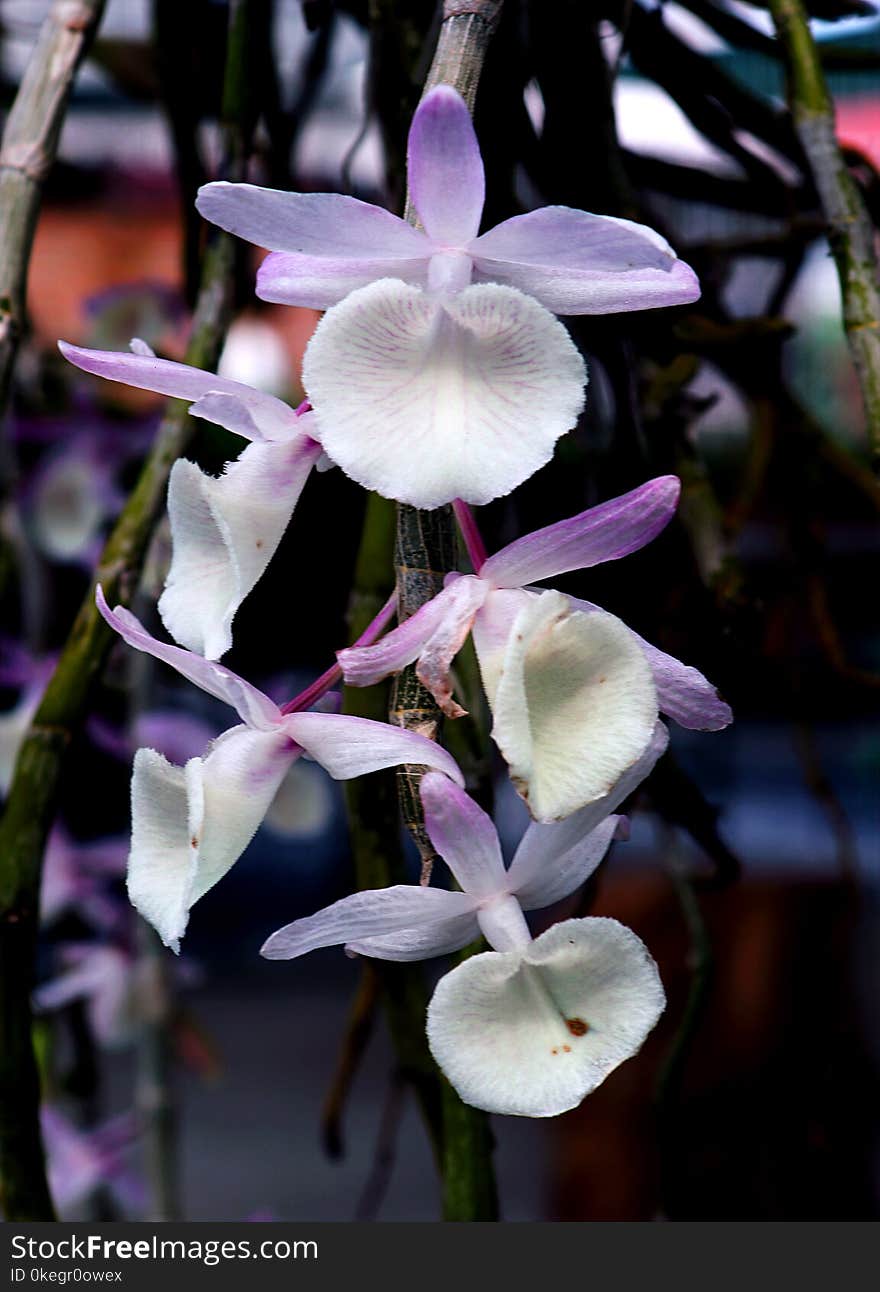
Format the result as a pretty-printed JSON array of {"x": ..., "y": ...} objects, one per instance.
[
  {"x": 225, "y": 531},
  {"x": 239, "y": 777},
  {"x": 191, "y": 824},
  {"x": 463, "y": 835},
  {"x": 553, "y": 859},
  {"x": 271, "y": 417},
  {"x": 371, "y": 914},
  {"x": 574, "y": 706},
  {"x": 445, "y": 169},
  {"x": 683, "y": 693},
  {"x": 167, "y": 813},
  {"x": 346, "y": 746},
  {"x": 531, "y": 1034},
  {"x": 607, "y": 532},
  {"x": 251, "y": 705},
  {"x": 575, "y": 262},
  {"x": 491, "y": 632},
  {"x": 425, "y": 402}
]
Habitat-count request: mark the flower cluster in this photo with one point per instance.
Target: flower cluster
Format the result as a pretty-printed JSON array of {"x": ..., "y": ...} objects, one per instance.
[{"x": 439, "y": 374}]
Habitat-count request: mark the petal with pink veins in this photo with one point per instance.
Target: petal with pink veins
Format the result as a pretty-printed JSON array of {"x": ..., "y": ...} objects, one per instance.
[{"x": 425, "y": 403}]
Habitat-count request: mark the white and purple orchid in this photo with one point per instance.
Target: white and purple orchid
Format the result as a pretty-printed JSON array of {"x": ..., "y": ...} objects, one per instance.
[
  {"x": 439, "y": 372},
  {"x": 574, "y": 693},
  {"x": 224, "y": 530},
  {"x": 191, "y": 824},
  {"x": 530, "y": 1027}
]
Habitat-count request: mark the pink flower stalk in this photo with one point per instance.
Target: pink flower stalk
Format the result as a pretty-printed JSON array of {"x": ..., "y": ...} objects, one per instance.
[
  {"x": 530, "y": 1027},
  {"x": 573, "y": 691}
]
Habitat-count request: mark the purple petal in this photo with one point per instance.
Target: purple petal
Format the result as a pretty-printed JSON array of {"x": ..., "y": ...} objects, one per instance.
[
  {"x": 365, "y": 665},
  {"x": 347, "y": 746},
  {"x": 266, "y": 416},
  {"x": 254, "y": 708},
  {"x": 369, "y": 914},
  {"x": 437, "y": 939},
  {"x": 603, "y": 533},
  {"x": 553, "y": 860},
  {"x": 329, "y": 244},
  {"x": 463, "y": 835},
  {"x": 287, "y": 279},
  {"x": 445, "y": 169},
  {"x": 578, "y": 263},
  {"x": 683, "y": 693}
]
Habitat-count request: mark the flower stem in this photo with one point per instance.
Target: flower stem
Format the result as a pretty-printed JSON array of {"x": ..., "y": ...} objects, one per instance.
[
  {"x": 850, "y": 231},
  {"x": 425, "y": 551},
  {"x": 473, "y": 539}
]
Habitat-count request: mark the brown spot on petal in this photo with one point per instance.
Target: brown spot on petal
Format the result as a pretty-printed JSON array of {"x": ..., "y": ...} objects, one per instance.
[
  {"x": 567, "y": 1049},
  {"x": 194, "y": 841},
  {"x": 577, "y": 1026},
  {"x": 260, "y": 544},
  {"x": 554, "y": 1050}
]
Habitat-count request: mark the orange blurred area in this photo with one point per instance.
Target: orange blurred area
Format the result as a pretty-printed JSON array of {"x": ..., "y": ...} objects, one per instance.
[{"x": 87, "y": 248}]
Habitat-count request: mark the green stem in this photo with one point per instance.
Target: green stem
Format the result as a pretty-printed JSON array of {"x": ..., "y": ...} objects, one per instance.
[
  {"x": 850, "y": 231},
  {"x": 375, "y": 841},
  {"x": 30, "y": 805}
]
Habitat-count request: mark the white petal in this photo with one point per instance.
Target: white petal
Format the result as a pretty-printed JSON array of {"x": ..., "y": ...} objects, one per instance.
[
  {"x": 491, "y": 633},
  {"x": 225, "y": 531},
  {"x": 425, "y": 402},
  {"x": 373, "y": 913},
  {"x": 574, "y": 707},
  {"x": 166, "y": 814},
  {"x": 532, "y": 1035},
  {"x": 189, "y": 825},
  {"x": 239, "y": 779},
  {"x": 553, "y": 860}
]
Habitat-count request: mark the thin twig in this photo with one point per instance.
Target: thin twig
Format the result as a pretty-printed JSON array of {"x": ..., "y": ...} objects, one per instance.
[
  {"x": 850, "y": 232},
  {"x": 376, "y": 1187},
  {"x": 358, "y": 1030},
  {"x": 27, "y": 153}
]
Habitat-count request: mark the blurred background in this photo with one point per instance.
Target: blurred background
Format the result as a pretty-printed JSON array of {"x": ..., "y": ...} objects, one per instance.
[{"x": 753, "y": 867}]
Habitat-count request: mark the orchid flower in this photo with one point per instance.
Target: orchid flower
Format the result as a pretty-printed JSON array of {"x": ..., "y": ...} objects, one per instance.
[
  {"x": 82, "y": 1161},
  {"x": 74, "y": 877},
  {"x": 530, "y": 1027},
  {"x": 191, "y": 824},
  {"x": 104, "y": 976},
  {"x": 441, "y": 373},
  {"x": 224, "y": 530},
  {"x": 573, "y": 691},
  {"x": 71, "y": 495}
]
